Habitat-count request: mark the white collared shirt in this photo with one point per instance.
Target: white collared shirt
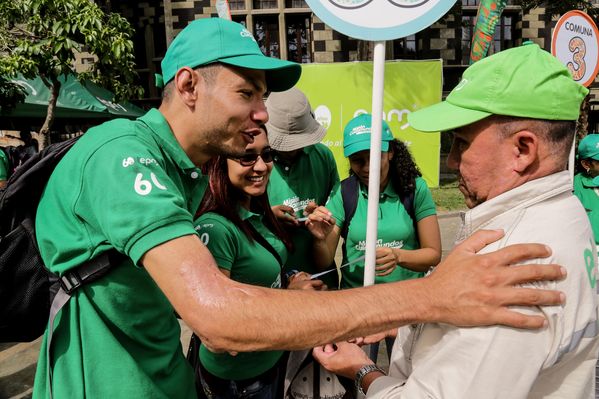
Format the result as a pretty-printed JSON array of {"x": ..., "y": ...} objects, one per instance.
[{"x": 442, "y": 361}]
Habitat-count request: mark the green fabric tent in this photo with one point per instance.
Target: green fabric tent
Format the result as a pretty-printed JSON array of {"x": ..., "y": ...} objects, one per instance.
[{"x": 75, "y": 100}]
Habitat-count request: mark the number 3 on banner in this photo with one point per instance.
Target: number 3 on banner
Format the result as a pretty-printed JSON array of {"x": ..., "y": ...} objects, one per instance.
[
  {"x": 144, "y": 187},
  {"x": 578, "y": 49},
  {"x": 575, "y": 43}
]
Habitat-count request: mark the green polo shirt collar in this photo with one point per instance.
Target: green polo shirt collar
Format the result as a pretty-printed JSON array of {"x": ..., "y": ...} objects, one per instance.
[
  {"x": 161, "y": 129},
  {"x": 387, "y": 192},
  {"x": 587, "y": 181},
  {"x": 244, "y": 214}
]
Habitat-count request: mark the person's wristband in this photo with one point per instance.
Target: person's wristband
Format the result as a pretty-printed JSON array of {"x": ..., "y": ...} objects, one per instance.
[{"x": 364, "y": 370}]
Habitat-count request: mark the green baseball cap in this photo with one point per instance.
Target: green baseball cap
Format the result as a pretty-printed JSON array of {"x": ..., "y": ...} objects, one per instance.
[
  {"x": 523, "y": 81},
  {"x": 588, "y": 148},
  {"x": 209, "y": 40},
  {"x": 356, "y": 135}
]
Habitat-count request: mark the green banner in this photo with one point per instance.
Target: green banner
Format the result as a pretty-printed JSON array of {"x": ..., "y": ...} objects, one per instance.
[{"x": 340, "y": 91}]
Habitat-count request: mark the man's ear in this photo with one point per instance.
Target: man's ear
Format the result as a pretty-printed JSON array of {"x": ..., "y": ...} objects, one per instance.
[
  {"x": 526, "y": 147},
  {"x": 186, "y": 81}
]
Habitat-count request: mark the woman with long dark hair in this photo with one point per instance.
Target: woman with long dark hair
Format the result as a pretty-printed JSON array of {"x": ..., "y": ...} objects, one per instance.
[
  {"x": 408, "y": 236},
  {"x": 237, "y": 225},
  {"x": 409, "y": 241}
]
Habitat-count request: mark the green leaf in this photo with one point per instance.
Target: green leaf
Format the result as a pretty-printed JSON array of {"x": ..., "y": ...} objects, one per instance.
[{"x": 62, "y": 26}]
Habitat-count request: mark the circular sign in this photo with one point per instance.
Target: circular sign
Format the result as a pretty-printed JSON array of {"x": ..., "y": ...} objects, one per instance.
[
  {"x": 575, "y": 42},
  {"x": 349, "y": 4},
  {"x": 379, "y": 19}
]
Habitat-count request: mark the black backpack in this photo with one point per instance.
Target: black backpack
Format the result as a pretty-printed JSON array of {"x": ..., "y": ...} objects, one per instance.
[
  {"x": 27, "y": 287},
  {"x": 350, "y": 189}
]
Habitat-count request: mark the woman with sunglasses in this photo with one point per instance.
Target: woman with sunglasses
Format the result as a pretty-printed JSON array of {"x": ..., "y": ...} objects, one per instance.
[{"x": 238, "y": 227}]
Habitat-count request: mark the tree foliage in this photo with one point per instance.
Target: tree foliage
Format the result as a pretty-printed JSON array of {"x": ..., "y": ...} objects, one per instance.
[
  {"x": 559, "y": 7},
  {"x": 10, "y": 94},
  {"x": 42, "y": 37}
]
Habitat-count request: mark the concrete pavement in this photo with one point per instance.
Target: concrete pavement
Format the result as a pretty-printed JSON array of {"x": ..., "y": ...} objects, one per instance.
[{"x": 18, "y": 361}]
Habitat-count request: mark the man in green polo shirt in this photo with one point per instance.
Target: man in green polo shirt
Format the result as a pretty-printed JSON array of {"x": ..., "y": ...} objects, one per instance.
[
  {"x": 304, "y": 172},
  {"x": 4, "y": 169},
  {"x": 134, "y": 186},
  {"x": 586, "y": 183}
]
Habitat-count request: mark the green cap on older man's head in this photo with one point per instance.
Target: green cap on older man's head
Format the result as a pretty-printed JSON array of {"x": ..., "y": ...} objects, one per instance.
[
  {"x": 523, "y": 81},
  {"x": 209, "y": 40},
  {"x": 356, "y": 135}
]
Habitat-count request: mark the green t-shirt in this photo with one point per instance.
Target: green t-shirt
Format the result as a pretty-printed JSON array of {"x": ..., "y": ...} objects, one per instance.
[
  {"x": 4, "y": 167},
  {"x": 588, "y": 194},
  {"x": 250, "y": 263},
  {"x": 126, "y": 185},
  {"x": 312, "y": 177},
  {"x": 395, "y": 229}
]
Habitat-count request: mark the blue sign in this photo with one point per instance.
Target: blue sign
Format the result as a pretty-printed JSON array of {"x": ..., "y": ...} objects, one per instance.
[{"x": 378, "y": 20}]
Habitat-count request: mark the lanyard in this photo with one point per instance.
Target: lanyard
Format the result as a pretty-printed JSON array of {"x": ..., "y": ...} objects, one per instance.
[{"x": 361, "y": 258}]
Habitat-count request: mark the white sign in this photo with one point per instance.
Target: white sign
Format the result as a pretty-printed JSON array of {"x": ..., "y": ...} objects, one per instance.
[
  {"x": 378, "y": 20},
  {"x": 575, "y": 43}
]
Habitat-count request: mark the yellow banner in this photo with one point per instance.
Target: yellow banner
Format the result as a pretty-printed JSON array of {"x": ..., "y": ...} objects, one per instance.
[{"x": 340, "y": 91}]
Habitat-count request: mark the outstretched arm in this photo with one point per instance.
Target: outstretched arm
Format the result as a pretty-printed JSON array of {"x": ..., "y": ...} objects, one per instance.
[{"x": 466, "y": 289}]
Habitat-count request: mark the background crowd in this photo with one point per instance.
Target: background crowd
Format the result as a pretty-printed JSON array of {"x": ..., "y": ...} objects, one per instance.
[{"x": 247, "y": 208}]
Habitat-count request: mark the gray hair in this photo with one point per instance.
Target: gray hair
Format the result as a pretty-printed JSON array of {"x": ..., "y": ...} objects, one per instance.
[{"x": 558, "y": 134}]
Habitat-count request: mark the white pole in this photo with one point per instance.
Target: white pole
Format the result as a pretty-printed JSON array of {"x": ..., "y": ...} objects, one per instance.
[
  {"x": 572, "y": 160},
  {"x": 374, "y": 175}
]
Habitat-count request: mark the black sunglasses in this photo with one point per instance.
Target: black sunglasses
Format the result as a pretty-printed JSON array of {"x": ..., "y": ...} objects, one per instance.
[{"x": 249, "y": 159}]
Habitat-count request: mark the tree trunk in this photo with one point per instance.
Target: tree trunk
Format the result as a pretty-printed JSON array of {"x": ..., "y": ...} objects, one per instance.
[
  {"x": 45, "y": 130},
  {"x": 582, "y": 125},
  {"x": 364, "y": 50}
]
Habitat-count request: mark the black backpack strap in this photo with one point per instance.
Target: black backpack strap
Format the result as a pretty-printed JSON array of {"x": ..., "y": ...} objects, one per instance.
[
  {"x": 193, "y": 357},
  {"x": 349, "y": 193},
  {"x": 407, "y": 201},
  {"x": 73, "y": 279},
  {"x": 350, "y": 189}
]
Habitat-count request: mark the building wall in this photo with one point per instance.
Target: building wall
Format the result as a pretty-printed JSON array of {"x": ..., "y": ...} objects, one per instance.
[
  {"x": 159, "y": 21},
  {"x": 186, "y": 11},
  {"x": 148, "y": 21},
  {"x": 442, "y": 40}
]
